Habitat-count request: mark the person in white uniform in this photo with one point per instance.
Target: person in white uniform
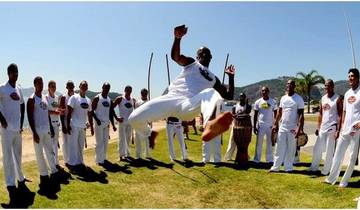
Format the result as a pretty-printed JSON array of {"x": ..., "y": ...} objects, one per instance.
[
  {"x": 12, "y": 109},
  {"x": 265, "y": 112},
  {"x": 195, "y": 90},
  {"x": 54, "y": 111},
  {"x": 291, "y": 113},
  {"x": 79, "y": 110},
  {"x": 63, "y": 118},
  {"x": 328, "y": 128},
  {"x": 102, "y": 113},
  {"x": 174, "y": 128},
  {"x": 126, "y": 106},
  {"x": 140, "y": 140},
  {"x": 43, "y": 131},
  {"x": 349, "y": 135}
]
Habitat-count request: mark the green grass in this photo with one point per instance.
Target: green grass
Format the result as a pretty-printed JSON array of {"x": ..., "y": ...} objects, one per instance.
[{"x": 196, "y": 187}]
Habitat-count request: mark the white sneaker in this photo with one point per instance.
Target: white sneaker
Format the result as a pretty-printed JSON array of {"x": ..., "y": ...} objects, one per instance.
[{"x": 343, "y": 184}]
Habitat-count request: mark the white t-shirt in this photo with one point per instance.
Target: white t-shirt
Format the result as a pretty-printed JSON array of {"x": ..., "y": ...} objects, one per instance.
[
  {"x": 81, "y": 106},
  {"x": 53, "y": 104},
  {"x": 192, "y": 80},
  {"x": 266, "y": 110},
  {"x": 41, "y": 114},
  {"x": 290, "y": 106},
  {"x": 10, "y": 100},
  {"x": 352, "y": 109},
  {"x": 102, "y": 110},
  {"x": 126, "y": 107},
  {"x": 330, "y": 114}
]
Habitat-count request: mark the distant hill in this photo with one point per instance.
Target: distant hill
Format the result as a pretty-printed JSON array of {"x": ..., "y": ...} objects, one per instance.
[{"x": 341, "y": 87}]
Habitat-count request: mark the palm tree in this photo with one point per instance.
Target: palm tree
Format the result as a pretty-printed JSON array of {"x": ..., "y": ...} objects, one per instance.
[{"x": 307, "y": 82}]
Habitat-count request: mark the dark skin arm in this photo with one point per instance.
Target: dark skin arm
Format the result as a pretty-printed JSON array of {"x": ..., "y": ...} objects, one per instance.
[
  {"x": 52, "y": 132},
  {"x": 111, "y": 116},
  {"x": 70, "y": 110},
  {"x": 93, "y": 107},
  {"x": 30, "y": 115},
  {"x": 300, "y": 122},
  {"x": 3, "y": 121},
  {"x": 255, "y": 121},
  {"x": 116, "y": 102},
  {"x": 275, "y": 127},
  {"x": 22, "y": 114},
  {"x": 91, "y": 122},
  {"x": 180, "y": 59},
  {"x": 339, "y": 104},
  {"x": 62, "y": 105}
]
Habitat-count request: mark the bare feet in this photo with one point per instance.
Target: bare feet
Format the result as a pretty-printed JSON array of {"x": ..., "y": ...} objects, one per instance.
[
  {"x": 217, "y": 126},
  {"x": 152, "y": 137}
]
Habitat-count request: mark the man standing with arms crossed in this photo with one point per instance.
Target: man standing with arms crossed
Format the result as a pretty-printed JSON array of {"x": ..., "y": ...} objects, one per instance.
[
  {"x": 265, "y": 112},
  {"x": 12, "y": 118},
  {"x": 349, "y": 134},
  {"x": 195, "y": 90},
  {"x": 291, "y": 113},
  {"x": 102, "y": 113},
  {"x": 329, "y": 125}
]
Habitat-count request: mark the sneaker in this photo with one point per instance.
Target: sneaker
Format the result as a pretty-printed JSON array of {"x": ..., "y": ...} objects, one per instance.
[{"x": 343, "y": 184}]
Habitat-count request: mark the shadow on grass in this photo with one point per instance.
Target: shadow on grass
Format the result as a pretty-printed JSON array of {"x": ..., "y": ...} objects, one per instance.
[
  {"x": 114, "y": 167},
  {"x": 149, "y": 163},
  {"x": 20, "y": 198},
  {"x": 87, "y": 174},
  {"x": 189, "y": 163}
]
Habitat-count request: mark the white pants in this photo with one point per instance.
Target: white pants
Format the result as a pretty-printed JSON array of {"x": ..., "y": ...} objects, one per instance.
[
  {"x": 325, "y": 140},
  {"x": 171, "y": 129},
  {"x": 55, "y": 141},
  {"x": 284, "y": 151},
  {"x": 125, "y": 132},
  {"x": 231, "y": 146},
  {"x": 102, "y": 139},
  {"x": 177, "y": 106},
  {"x": 212, "y": 147},
  {"x": 341, "y": 147},
  {"x": 65, "y": 147},
  {"x": 11, "y": 143},
  {"x": 142, "y": 141},
  {"x": 263, "y": 131},
  {"x": 45, "y": 144},
  {"x": 76, "y": 145}
]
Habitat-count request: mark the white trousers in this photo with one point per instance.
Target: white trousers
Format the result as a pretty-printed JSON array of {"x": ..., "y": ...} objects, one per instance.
[
  {"x": 125, "y": 132},
  {"x": 212, "y": 148},
  {"x": 11, "y": 143},
  {"x": 284, "y": 151},
  {"x": 343, "y": 142},
  {"x": 45, "y": 144},
  {"x": 325, "y": 141},
  {"x": 76, "y": 145},
  {"x": 102, "y": 139},
  {"x": 177, "y": 129},
  {"x": 177, "y": 106},
  {"x": 231, "y": 146},
  {"x": 65, "y": 147},
  {"x": 55, "y": 141},
  {"x": 141, "y": 142},
  {"x": 263, "y": 131}
]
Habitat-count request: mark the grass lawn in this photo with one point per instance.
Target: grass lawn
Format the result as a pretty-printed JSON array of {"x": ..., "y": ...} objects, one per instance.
[{"x": 161, "y": 186}]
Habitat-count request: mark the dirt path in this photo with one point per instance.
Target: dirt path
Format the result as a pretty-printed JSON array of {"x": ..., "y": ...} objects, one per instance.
[{"x": 28, "y": 152}]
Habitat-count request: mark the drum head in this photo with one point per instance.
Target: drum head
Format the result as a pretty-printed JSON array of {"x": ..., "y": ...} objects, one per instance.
[{"x": 302, "y": 139}]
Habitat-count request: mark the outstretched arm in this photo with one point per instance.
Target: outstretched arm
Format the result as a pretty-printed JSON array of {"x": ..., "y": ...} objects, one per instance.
[
  {"x": 226, "y": 93},
  {"x": 180, "y": 59}
]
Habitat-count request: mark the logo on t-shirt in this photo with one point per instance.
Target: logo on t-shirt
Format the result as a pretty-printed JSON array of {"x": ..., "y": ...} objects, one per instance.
[
  {"x": 105, "y": 103},
  {"x": 326, "y": 107},
  {"x": 43, "y": 105},
  {"x": 351, "y": 99},
  {"x": 54, "y": 104},
  {"x": 84, "y": 105},
  {"x": 265, "y": 105},
  {"x": 128, "y": 105},
  {"x": 14, "y": 96},
  {"x": 205, "y": 74}
]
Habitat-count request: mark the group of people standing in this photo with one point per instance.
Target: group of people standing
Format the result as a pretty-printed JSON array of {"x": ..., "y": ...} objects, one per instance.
[{"x": 196, "y": 90}]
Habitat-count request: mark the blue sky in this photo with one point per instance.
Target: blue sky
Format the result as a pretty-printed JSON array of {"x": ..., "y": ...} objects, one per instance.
[{"x": 113, "y": 41}]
